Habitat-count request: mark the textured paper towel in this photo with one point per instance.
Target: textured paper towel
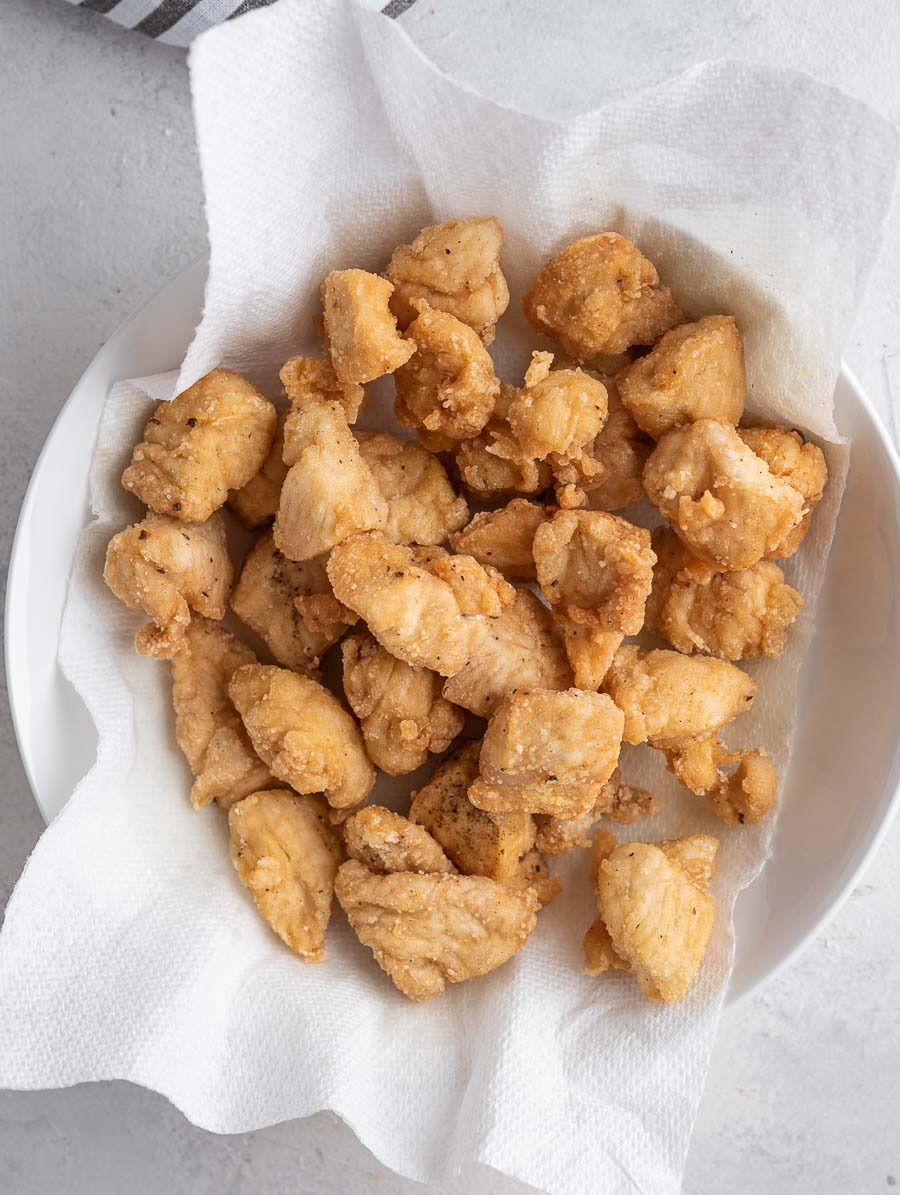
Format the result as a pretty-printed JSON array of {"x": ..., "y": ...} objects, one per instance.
[{"x": 130, "y": 950}]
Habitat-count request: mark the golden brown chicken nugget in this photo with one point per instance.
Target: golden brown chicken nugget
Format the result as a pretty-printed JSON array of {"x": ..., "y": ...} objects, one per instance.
[
  {"x": 423, "y": 507},
  {"x": 359, "y": 327},
  {"x": 384, "y": 841},
  {"x": 503, "y": 538},
  {"x": 796, "y": 461}
]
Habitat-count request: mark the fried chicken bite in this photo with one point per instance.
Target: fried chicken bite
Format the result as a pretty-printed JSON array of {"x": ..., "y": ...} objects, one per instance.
[
  {"x": 424, "y": 606},
  {"x": 454, "y": 267},
  {"x": 289, "y": 603},
  {"x": 208, "y": 728},
  {"x": 600, "y": 295},
  {"x": 287, "y": 856},
  {"x": 799, "y": 463},
  {"x": 308, "y": 379},
  {"x": 303, "y": 733},
  {"x": 256, "y": 503},
  {"x": 548, "y": 752},
  {"x": 618, "y": 801},
  {"x": 329, "y": 492},
  {"x": 523, "y": 649},
  {"x": 503, "y": 538},
  {"x": 447, "y": 390},
  {"x": 489, "y": 476},
  {"x": 387, "y": 842},
  {"x": 731, "y": 615},
  {"x": 359, "y": 328},
  {"x": 427, "y": 931},
  {"x": 164, "y": 569},
  {"x": 208, "y": 440},
  {"x": 596, "y": 570},
  {"x": 402, "y": 714},
  {"x": 422, "y": 505},
  {"x": 695, "y": 372},
  {"x": 655, "y": 913},
  {"x": 720, "y": 497}
]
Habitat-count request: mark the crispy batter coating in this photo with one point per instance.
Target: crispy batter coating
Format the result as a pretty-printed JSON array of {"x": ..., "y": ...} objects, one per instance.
[
  {"x": 618, "y": 801},
  {"x": 359, "y": 328},
  {"x": 448, "y": 389},
  {"x": 591, "y": 650},
  {"x": 800, "y": 464},
  {"x": 272, "y": 596},
  {"x": 523, "y": 649},
  {"x": 504, "y": 538},
  {"x": 425, "y": 607},
  {"x": 600, "y": 295},
  {"x": 491, "y": 477},
  {"x": 731, "y": 615},
  {"x": 329, "y": 492},
  {"x": 720, "y": 497},
  {"x": 423, "y": 507},
  {"x": 256, "y": 503},
  {"x": 401, "y": 711},
  {"x": 287, "y": 856},
  {"x": 548, "y": 752},
  {"x": 164, "y": 569},
  {"x": 306, "y": 379},
  {"x": 303, "y": 733},
  {"x": 746, "y": 795},
  {"x": 656, "y": 912},
  {"x": 695, "y": 372},
  {"x": 454, "y": 267},
  {"x": 207, "y": 726},
  {"x": 208, "y": 440},
  {"x": 387, "y": 842},
  {"x": 427, "y": 931}
]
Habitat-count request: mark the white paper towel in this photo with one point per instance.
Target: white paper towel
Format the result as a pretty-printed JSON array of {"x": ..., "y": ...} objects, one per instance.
[{"x": 130, "y": 950}]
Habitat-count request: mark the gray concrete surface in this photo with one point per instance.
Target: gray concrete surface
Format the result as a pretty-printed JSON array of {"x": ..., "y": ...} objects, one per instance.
[{"x": 100, "y": 202}]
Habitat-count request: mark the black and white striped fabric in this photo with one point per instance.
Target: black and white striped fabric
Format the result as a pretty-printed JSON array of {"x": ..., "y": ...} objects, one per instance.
[{"x": 178, "y": 22}]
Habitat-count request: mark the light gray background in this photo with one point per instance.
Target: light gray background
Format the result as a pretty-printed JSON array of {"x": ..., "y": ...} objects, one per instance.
[{"x": 100, "y": 203}]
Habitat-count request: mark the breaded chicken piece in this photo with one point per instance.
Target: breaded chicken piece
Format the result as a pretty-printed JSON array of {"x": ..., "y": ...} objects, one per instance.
[
  {"x": 618, "y": 801},
  {"x": 287, "y": 856},
  {"x": 548, "y": 752},
  {"x": 272, "y": 596},
  {"x": 731, "y": 615},
  {"x": 656, "y": 913},
  {"x": 359, "y": 328},
  {"x": 503, "y": 538},
  {"x": 621, "y": 450},
  {"x": 796, "y": 461},
  {"x": 303, "y": 733},
  {"x": 387, "y": 842},
  {"x": 433, "y": 611},
  {"x": 329, "y": 492},
  {"x": 256, "y": 503},
  {"x": 600, "y": 295},
  {"x": 695, "y": 372},
  {"x": 720, "y": 497},
  {"x": 427, "y": 931},
  {"x": 490, "y": 477},
  {"x": 523, "y": 649},
  {"x": 208, "y": 440},
  {"x": 448, "y": 389},
  {"x": 164, "y": 569},
  {"x": 306, "y": 379},
  {"x": 401, "y": 711},
  {"x": 596, "y": 570},
  {"x": 423, "y": 507},
  {"x": 454, "y": 267},
  {"x": 207, "y": 726}
]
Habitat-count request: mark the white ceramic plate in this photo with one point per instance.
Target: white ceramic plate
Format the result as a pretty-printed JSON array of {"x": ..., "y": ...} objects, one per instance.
[{"x": 842, "y": 787}]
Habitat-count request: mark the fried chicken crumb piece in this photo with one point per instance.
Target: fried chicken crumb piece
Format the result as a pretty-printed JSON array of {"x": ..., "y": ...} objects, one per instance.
[
  {"x": 796, "y": 461},
  {"x": 303, "y": 733},
  {"x": 387, "y": 842},
  {"x": 208, "y": 728},
  {"x": 427, "y": 931},
  {"x": 695, "y": 372},
  {"x": 164, "y": 569},
  {"x": 548, "y": 752},
  {"x": 618, "y": 801},
  {"x": 306, "y": 379},
  {"x": 454, "y": 267},
  {"x": 359, "y": 326},
  {"x": 448, "y": 388},
  {"x": 503, "y": 538},
  {"x": 600, "y": 295},
  {"x": 287, "y": 856},
  {"x": 423, "y": 507},
  {"x": 402, "y": 713},
  {"x": 746, "y": 795},
  {"x": 424, "y": 606},
  {"x": 208, "y": 440},
  {"x": 256, "y": 503}
]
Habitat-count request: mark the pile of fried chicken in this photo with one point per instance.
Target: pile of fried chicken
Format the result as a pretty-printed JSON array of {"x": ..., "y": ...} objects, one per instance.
[{"x": 517, "y": 614}]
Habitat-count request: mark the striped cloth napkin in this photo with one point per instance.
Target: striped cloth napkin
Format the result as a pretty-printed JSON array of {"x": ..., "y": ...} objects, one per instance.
[{"x": 178, "y": 22}]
